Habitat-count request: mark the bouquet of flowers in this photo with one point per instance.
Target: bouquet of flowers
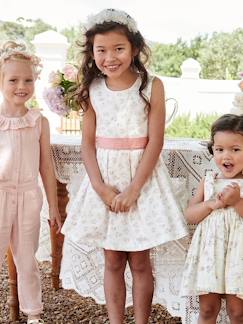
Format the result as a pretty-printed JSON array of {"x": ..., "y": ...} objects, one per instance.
[
  {"x": 60, "y": 96},
  {"x": 241, "y": 82}
]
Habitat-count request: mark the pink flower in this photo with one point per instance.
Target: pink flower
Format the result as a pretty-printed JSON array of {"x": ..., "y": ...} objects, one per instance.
[
  {"x": 59, "y": 97},
  {"x": 70, "y": 72}
]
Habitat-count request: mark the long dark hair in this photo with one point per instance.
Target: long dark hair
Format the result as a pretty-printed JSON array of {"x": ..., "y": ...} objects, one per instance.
[
  {"x": 226, "y": 123},
  {"x": 88, "y": 70}
]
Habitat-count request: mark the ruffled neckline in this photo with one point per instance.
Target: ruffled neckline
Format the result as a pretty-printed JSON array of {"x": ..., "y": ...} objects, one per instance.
[{"x": 27, "y": 120}]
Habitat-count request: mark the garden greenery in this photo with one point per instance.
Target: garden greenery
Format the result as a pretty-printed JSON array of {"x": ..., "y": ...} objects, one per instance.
[{"x": 188, "y": 127}]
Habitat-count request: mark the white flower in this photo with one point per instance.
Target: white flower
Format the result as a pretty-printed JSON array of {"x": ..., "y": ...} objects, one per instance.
[
  {"x": 7, "y": 53},
  {"x": 55, "y": 78},
  {"x": 112, "y": 15}
]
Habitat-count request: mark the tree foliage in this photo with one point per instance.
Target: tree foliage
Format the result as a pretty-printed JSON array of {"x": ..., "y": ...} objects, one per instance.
[
  {"x": 22, "y": 29},
  {"x": 167, "y": 58},
  {"x": 187, "y": 127},
  {"x": 222, "y": 56},
  {"x": 74, "y": 36}
]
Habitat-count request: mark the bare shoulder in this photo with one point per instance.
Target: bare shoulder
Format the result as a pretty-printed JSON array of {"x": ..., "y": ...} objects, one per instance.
[
  {"x": 44, "y": 122},
  {"x": 157, "y": 94},
  {"x": 157, "y": 86},
  {"x": 45, "y": 128}
]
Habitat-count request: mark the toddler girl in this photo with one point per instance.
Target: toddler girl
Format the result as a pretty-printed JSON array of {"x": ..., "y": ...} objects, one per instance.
[{"x": 214, "y": 265}]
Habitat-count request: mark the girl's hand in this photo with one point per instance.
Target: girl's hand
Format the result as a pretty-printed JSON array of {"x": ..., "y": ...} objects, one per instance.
[
  {"x": 218, "y": 202},
  {"x": 230, "y": 194},
  {"x": 124, "y": 200},
  {"x": 107, "y": 193},
  {"x": 55, "y": 219}
]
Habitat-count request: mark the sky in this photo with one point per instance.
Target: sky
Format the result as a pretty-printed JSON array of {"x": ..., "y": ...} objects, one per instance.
[{"x": 163, "y": 21}]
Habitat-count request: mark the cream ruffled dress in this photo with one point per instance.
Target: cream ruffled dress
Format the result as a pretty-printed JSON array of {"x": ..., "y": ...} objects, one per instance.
[{"x": 214, "y": 262}]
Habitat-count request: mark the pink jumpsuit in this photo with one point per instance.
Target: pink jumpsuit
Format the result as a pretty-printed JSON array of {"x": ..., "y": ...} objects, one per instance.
[{"x": 21, "y": 202}]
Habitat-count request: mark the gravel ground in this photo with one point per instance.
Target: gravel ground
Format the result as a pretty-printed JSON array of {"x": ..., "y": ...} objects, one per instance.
[{"x": 66, "y": 306}]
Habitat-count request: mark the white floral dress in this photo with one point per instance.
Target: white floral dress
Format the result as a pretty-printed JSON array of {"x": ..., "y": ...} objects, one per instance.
[
  {"x": 215, "y": 258},
  {"x": 156, "y": 217}
]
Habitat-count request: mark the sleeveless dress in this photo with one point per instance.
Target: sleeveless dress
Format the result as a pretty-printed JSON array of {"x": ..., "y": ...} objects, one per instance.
[
  {"x": 155, "y": 219},
  {"x": 215, "y": 258}
]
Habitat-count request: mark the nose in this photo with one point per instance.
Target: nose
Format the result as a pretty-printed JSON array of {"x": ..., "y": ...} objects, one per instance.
[
  {"x": 227, "y": 155},
  {"x": 110, "y": 56},
  {"x": 21, "y": 85}
]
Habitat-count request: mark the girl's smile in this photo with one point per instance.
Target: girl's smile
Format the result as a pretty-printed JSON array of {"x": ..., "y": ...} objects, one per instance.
[
  {"x": 113, "y": 55},
  {"x": 17, "y": 84},
  {"x": 228, "y": 153}
]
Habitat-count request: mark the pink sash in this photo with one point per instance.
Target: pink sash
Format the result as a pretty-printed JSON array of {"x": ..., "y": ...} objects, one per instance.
[{"x": 124, "y": 143}]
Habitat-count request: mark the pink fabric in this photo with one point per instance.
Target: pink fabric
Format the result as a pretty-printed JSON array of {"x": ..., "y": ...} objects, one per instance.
[
  {"x": 20, "y": 187},
  {"x": 21, "y": 202},
  {"x": 121, "y": 143}
]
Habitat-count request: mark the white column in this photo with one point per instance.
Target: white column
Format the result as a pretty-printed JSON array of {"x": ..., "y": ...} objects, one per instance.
[
  {"x": 190, "y": 83},
  {"x": 190, "y": 69}
]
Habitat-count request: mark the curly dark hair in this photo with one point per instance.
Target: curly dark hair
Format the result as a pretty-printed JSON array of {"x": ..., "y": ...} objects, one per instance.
[
  {"x": 226, "y": 123},
  {"x": 88, "y": 70}
]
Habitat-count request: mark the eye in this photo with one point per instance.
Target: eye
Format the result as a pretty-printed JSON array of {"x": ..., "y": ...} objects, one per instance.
[
  {"x": 218, "y": 149},
  {"x": 236, "y": 149},
  {"x": 119, "y": 49},
  {"x": 12, "y": 80},
  {"x": 29, "y": 80},
  {"x": 100, "y": 50}
]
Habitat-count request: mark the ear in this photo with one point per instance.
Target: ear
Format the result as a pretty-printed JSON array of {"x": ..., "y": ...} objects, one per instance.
[{"x": 135, "y": 52}]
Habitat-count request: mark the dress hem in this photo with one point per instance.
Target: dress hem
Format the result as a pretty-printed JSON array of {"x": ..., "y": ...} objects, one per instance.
[
  {"x": 127, "y": 249},
  {"x": 201, "y": 293}
]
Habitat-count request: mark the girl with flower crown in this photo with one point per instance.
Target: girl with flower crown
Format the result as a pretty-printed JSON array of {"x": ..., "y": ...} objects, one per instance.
[
  {"x": 24, "y": 152},
  {"x": 125, "y": 204}
]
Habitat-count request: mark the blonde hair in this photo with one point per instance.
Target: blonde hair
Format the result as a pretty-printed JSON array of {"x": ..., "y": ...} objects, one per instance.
[{"x": 11, "y": 50}]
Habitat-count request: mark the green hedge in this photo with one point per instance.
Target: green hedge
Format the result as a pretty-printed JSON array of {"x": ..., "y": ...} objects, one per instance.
[{"x": 186, "y": 126}]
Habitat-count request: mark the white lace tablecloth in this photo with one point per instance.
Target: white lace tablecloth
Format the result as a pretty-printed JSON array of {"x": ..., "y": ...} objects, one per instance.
[{"x": 187, "y": 161}]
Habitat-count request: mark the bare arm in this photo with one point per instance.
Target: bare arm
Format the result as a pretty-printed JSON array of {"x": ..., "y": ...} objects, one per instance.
[
  {"x": 156, "y": 125},
  {"x": 106, "y": 192},
  {"x": 48, "y": 175},
  {"x": 198, "y": 209},
  {"x": 239, "y": 207}
]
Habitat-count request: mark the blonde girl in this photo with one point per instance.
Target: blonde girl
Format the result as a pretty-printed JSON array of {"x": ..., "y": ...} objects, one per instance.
[{"x": 24, "y": 152}]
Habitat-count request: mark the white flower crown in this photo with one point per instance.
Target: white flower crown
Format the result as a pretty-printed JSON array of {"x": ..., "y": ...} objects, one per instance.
[
  {"x": 112, "y": 15},
  {"x": 6, "y": 53}
]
